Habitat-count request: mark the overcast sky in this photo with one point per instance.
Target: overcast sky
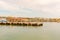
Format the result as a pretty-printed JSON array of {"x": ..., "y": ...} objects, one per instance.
[{"x": 30, "y": 8}]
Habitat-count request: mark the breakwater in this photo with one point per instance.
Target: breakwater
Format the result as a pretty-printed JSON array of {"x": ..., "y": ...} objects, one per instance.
[{"x": 22, "y": 23}]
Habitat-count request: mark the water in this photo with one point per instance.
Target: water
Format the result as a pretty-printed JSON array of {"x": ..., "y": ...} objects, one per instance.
[{"x": 49, "y": 31}]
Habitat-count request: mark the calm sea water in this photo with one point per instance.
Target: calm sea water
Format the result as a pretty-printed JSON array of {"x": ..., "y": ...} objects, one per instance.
[{"x": 49, "y": 31}]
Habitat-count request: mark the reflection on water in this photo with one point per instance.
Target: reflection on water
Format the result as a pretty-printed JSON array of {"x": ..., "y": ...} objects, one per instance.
[{"x": 49, "y": 31}]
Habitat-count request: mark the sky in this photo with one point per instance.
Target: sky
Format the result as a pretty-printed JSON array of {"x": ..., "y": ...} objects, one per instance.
[{"x": 30, "y": 8}]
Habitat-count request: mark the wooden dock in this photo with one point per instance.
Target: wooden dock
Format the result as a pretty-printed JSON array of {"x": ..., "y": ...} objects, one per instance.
[{"x": 23, "y": 23}]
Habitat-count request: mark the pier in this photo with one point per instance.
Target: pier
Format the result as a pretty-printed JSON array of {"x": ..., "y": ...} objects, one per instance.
[{"x": 20, "y": 21}]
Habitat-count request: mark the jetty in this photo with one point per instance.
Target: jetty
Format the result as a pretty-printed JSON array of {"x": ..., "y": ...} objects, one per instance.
[
  {"x": 22, "y": 23},
  {"x": 19, "y": 21}
]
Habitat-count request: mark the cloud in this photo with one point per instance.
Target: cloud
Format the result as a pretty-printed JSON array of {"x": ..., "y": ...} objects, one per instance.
[
  {"x": 7, "y": 6},
  {"x": 33, "y": 4},
  {"x": 44, "y": 8}
]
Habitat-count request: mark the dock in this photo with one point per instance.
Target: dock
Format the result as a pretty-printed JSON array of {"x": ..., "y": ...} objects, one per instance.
[{"x": 20, "y": 21}]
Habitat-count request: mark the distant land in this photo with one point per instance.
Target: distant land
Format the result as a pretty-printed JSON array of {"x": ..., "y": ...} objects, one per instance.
[{"x": 26, "y": 19}]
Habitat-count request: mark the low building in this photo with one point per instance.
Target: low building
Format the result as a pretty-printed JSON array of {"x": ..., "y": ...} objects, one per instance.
[{"x": 3, "y": 20}]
